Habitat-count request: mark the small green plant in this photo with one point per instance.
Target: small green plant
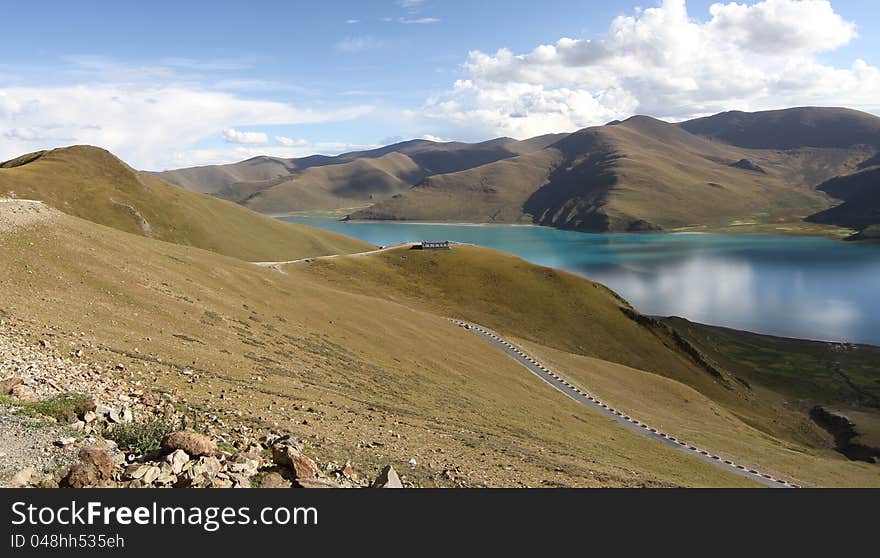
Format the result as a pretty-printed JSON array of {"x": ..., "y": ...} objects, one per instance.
[
  {"x": 144, "y": 436},
  {"x": 65, "y": 407}
]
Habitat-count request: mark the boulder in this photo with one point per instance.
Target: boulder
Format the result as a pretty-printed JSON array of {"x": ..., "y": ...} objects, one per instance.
[
  {"x": 193, "y": 443},
  {"x": 95, "y": 467},
  {"x": 387, "y": 478},
  {"x": 23, "y": 392},
  {"x": 274, "y": 480},
  {"x": 9, "y": 383},
  {"x": 289, "y": 455}
]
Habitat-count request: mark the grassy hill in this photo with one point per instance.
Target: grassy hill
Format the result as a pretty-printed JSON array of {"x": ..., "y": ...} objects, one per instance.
[
  {"x": 636, "y": 175},
  {"x": 356, "y": 357},
  {"x": 636, "y": 362},
  {"x": 91, "y": 183},
  {"x": 359, "y": 378},
  {"x": 360, "y": 178}
]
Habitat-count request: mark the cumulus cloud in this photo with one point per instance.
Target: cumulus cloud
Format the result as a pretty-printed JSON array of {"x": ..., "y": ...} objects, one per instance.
[
  {"x": 141, "y": 124},
  {"x": 231, "y": 135},
  {"x": 661, "y": 61}
]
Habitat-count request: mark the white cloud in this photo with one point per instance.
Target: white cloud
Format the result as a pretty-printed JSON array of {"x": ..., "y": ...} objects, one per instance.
[
  {"x": 418, "y": 20},
  {"x": 231, "y": 135},
  {"x": 141, "y": 124},
  {"x": 782, "y": 26},
  {"x": 357, "y": 44},
  {"x": 662, "y": 62},
  {"x": 290, "y": 142},
  {"x": 410, "y": 3}
]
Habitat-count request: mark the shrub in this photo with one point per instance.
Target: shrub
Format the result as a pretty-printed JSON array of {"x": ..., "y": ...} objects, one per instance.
[{"x": 144, "y": 436}]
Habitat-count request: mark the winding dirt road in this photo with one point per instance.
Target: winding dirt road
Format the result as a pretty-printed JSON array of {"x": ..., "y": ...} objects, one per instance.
[{"x": 595, "y": 404}]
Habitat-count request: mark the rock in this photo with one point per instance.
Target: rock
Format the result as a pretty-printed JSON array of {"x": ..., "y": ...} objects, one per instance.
[
  {"x": 152, "y": 473},
  {"x": 387, "y": 478},
  {"x": 114, "y": 416},
  {"x": 348, "y": 472},
  {"x": 315, "y": 483},
  {"x": 64, "y": 442},
  {"x": 22, "y": 478},
  {"x": 412, "y": 462},
  {"x": 177, "y": 459},
  {"x": 274, "y": 480},
  {"x": 127, "y": 415},
  {"x": 23, "y": 392},
  {"x": 9, "y": 383},
  {"x": 89, "y": 416},
  {"x": 45, "y": 344},
  {"x": 289, "y": 455},
  {"x": 192, "y": 443},
  {"x": 136, "y": 471},
  {"x": 95, "y": 467}
]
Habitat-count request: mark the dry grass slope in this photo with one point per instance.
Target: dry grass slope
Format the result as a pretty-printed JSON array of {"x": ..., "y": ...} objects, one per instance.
[{"x": 93, "y": 184}]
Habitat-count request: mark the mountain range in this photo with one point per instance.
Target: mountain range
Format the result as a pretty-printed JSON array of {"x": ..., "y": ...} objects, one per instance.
[{"x": 734, "y": 170}]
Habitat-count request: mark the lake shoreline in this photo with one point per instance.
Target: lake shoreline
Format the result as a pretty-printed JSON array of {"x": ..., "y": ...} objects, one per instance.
[{"x": 769, "y": 284}]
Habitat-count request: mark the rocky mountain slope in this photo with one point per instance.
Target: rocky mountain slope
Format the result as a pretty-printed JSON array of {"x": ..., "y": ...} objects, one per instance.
[
  {"x": 276, "y": 186},
  {"x": 645, "y": 174}
]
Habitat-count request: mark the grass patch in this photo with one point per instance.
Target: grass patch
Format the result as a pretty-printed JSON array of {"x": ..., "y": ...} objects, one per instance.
[{"x": 66, "y": 407}]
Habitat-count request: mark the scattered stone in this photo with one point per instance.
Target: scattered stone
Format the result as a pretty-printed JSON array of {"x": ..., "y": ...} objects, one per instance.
[
  {"x": 152, "y": 473},
  {"x": 23, "y": 392},
  {"x": 387, "y": 478},
  {"x": 315, "y": 483},
  {"x": 177, "y": 459},
  {"x": 274, "y": 480},
  {"x": 64, "y": 442},
  {"x": 9, "y": 383},
  {"x": 191, "y": 442},
  {"x": 22, "y": 478}
]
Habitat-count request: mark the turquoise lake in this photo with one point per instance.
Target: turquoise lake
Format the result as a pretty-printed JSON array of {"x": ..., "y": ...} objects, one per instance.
[{"x": 812, "y": 288}]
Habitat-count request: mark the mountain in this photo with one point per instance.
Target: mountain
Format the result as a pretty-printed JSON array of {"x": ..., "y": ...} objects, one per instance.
[
  {"x": 91, "y": 183},
  {"x": 860, "y": 209},
  {"x": 276, "y": 186},
  {"x": 790, "y": 128},
  {"x": 646, "y": 174}
]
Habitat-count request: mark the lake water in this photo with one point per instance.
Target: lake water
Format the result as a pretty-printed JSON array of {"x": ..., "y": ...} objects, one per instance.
[{"x": 805, "y": 287}]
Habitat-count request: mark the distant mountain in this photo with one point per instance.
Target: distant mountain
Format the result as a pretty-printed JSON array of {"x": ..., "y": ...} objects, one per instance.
[
  {"x": 360, "y": 178},
  {"x": 92, "y": 184},
  {"x": 790, "y": 128},
  {"x": 646, "y": 174}
]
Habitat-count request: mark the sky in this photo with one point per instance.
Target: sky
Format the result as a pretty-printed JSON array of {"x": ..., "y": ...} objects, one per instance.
[{"x": 174, "y": 84}]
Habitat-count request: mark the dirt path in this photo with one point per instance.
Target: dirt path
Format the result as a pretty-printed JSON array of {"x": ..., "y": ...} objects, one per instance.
[{"x": 317, "y": 258}]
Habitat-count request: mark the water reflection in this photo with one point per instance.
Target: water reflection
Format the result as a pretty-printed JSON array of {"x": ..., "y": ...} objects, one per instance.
[{"x": 800, "y": 287}]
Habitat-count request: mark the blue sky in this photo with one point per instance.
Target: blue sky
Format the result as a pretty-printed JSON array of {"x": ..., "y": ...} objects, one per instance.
[{"x": 166, "y": 84}]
